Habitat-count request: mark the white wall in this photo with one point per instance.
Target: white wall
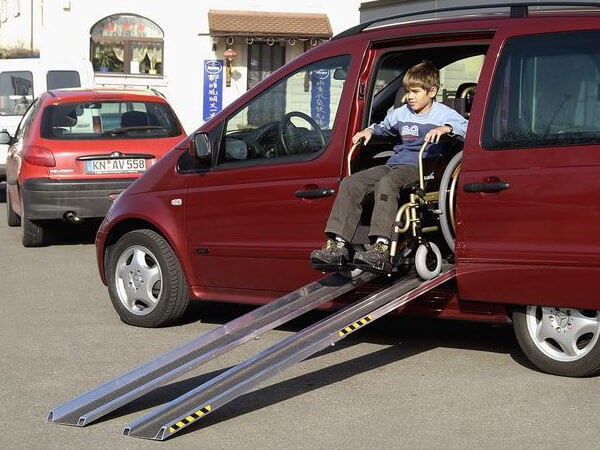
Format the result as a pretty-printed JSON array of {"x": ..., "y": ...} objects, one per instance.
[{"x": 64, "y": 28}]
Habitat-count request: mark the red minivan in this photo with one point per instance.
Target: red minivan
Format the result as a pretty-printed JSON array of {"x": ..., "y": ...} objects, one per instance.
[
  {"x": 75, "y": 150},
  {"x": 232, "y": 213}
]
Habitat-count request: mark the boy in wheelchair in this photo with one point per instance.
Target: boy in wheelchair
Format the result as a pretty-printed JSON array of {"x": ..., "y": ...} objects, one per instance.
[{"x": 421, "y": 120}]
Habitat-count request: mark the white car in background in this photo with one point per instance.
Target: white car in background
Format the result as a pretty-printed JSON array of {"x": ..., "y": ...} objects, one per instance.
[{"x": 23, "y": 79}]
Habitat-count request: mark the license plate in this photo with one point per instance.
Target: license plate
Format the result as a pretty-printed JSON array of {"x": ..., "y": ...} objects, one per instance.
[{"x": 96, "y": 166}]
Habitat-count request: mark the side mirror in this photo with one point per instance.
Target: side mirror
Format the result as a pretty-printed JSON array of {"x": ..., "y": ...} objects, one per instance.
[
  {"x": 5, "y": 137},
  {"x": 199, "y": 146}
]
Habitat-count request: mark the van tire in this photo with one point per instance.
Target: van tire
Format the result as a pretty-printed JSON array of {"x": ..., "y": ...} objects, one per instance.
[
  {"x": 145, "y": 281},
  {"x": 559, "y": 341},
  {"x": 12, "y": 218}
]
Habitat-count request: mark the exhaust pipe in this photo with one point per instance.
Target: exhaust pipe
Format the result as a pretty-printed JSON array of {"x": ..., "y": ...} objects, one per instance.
[{"x": 70, "y": 216}]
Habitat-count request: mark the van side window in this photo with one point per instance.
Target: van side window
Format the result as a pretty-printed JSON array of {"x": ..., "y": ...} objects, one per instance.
[
  {"x": 306, "y": 103},
  {"x": 58, "y": 79},
  {"x": 16, "y": 92},
  {"x": 546, "y": 93}
]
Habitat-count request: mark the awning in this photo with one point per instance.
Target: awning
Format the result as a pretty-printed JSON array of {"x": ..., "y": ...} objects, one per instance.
[{"x": 268, "y": 24}]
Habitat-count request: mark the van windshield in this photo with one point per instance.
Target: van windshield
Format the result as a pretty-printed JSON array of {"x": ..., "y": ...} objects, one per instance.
[{"x": 109, "y": 120}]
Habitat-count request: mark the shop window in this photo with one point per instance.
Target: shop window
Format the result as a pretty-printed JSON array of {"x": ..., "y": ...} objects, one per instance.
[{"x": 128, "y": 44}]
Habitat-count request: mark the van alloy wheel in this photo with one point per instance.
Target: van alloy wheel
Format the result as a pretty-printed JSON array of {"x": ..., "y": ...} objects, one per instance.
[
  {"x": 561, "y": 341},
  {"x": 145, "y": 280}
]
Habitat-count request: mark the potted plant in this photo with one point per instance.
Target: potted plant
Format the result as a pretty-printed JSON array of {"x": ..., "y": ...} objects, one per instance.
[
  {"x": 153, "y": 61},
  {"x": 105, "y": 59}
]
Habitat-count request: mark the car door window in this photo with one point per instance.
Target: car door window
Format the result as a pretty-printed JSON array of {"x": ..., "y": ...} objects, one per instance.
[
  {"x": 546, "y": 93},
  {"x": 25, "y": 123},
  {"x": 307, "y": 103}
]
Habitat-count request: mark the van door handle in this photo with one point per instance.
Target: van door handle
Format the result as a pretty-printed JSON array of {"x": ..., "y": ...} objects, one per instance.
[
  {"x": 315, "y": 193},
  {"x": 493, "y": 185}
]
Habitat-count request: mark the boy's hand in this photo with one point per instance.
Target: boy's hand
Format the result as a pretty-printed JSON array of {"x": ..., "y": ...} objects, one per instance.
[
  {"x": 434, "y": 134},
  {"x": 365, "y": 134}
]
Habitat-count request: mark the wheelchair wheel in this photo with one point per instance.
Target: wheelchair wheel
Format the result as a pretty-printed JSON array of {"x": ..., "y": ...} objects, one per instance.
[
  {"x": 428, "y": 261},
  {"x": 447, "y": 199}
]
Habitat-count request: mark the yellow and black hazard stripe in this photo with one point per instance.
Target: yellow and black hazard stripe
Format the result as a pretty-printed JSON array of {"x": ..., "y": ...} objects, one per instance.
[
  {"x": 189, "y": 419},
  {"x": 354, "y": 326}
]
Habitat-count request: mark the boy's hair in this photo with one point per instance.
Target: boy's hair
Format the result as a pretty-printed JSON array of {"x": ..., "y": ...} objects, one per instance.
[{"x": 424, "y": 75}]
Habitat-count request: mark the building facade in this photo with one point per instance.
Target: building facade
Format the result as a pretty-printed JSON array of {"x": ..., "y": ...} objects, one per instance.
[{"x": 200, "y": 55}]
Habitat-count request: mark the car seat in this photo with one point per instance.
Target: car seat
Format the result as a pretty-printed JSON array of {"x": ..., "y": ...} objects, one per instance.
[
  {"x": 466, "y": 92},
  {"x": 134, "y": 119}
]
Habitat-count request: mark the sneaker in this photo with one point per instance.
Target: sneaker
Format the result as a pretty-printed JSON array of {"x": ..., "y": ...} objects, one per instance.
[
  {"x": 376, "y": 259},
  {"x": 332, "y": 257}
]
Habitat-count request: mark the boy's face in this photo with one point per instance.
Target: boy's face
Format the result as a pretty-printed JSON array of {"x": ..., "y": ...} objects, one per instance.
[{"x": 419, "y": 99}]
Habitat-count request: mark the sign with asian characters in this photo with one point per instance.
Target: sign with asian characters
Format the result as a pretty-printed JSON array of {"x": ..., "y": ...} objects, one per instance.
[
  {"x": 213, "y": 88},
  {"x": 320, "y": 83}
]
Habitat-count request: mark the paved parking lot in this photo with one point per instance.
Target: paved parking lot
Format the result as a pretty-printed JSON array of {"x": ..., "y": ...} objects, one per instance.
[{"x": 398, "y": 383}]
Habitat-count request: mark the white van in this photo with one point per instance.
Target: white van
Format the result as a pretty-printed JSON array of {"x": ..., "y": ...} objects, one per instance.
[{"x": 23, "y": 79}]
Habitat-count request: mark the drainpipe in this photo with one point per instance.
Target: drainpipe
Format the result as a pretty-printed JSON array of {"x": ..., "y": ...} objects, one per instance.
[{"x": 31, "y": 26}]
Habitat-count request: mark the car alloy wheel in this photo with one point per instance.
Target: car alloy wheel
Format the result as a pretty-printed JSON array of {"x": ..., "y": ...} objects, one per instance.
[{"x": 145, "y": 280}]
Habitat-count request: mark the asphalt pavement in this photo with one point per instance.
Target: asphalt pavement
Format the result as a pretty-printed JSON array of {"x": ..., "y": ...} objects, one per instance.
[{"x": 396, "y": 383}]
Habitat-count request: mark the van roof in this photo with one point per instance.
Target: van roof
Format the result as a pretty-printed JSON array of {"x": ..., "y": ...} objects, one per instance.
[
  {"x": 53, "y": 64},
  {"x": 495, "y": 10}
]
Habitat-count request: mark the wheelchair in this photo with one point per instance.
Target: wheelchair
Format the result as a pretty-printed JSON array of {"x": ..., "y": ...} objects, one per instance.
[{"x": 424, "y": 228}]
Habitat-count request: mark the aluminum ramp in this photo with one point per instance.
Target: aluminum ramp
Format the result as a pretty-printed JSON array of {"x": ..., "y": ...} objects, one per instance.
[
  {"x": 107, "y": 397},
  {"x": 197, "y": 403}
]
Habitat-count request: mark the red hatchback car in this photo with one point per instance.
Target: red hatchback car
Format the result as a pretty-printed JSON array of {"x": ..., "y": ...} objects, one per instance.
[{"x": 76, "y": 150}]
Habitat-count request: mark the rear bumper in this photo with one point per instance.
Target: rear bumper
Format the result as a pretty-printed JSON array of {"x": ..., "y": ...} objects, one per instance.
[{"x": 45, "y": 199}]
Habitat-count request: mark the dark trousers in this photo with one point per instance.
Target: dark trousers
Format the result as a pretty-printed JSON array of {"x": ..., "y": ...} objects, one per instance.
[{"x": 385, "y": 183}]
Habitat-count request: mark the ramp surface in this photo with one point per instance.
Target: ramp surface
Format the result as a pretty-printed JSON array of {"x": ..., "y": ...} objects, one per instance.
[
  {"x": 105, "y": 398},
  {"x": 197, "y": 403}
]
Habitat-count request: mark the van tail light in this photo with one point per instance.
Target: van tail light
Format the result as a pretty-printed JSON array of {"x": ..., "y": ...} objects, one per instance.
[{"x": 38, "y": 156}]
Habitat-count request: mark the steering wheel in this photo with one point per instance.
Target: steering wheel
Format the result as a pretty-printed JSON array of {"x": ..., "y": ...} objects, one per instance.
[{"x": 286, "y": 122}]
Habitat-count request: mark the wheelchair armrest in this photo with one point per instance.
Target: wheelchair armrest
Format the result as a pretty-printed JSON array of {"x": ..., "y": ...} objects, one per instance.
[{"x": 451, "y": 145}]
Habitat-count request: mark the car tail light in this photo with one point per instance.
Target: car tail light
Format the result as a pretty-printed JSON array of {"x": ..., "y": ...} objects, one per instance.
[{"x": 38, "y": 155}]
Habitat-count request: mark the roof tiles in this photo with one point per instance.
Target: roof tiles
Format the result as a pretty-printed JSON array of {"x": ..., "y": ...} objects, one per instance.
[{"x": 275, "y": 24}]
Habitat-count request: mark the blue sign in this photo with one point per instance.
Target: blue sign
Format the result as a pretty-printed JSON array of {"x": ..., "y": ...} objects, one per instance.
[
  {"x": 320, "y": 83},
  {"x": 213, "y": 88}
]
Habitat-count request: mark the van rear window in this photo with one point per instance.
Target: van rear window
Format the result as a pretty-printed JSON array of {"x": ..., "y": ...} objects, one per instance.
[
  {"x": 58, "y": 79},
  {"x": 109, "y": 120}
]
